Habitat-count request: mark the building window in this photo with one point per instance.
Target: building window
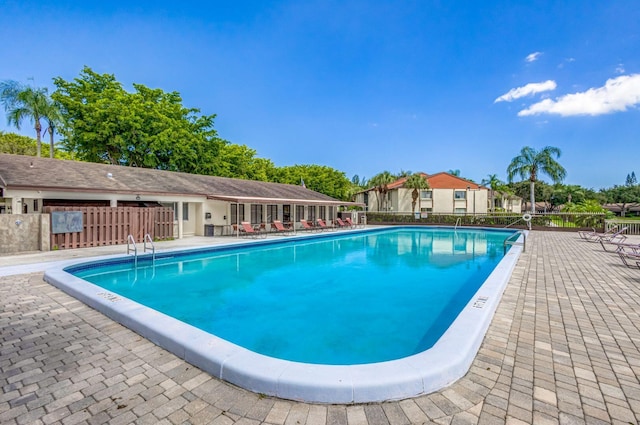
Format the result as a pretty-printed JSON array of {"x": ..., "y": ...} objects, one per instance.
[
  {"x": 426, "y": 194},
  {"x": 256, "y": 213},
  {"x": 322, "y": 213},
  {"x": 185, "y": 211},
  {"x": 332, "y": 213},
  {"x": 461, "y": 211},
  {"x": 234, "y": 213},
  {"x": 272, "y": 213},
  {"x": 460, "y": 194},
  {"x": 299, "y": 212},
  {"x": 427, "y": 210},
  {"x": 286, "y": 213},
  {"x": 312, "y": 213}
]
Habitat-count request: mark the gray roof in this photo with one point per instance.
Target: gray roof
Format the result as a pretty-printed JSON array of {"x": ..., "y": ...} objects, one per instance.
[{"x": 28, "y": 172}]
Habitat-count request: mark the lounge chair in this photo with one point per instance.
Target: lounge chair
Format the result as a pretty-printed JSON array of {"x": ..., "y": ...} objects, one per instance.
[
  {"x": 617, "y": 246},
  {"x": 253, "y": 232},
  {"x": 306, "y": 226},
  {"x": 320, "y": 223},
  {"x": 278, "y": 227},
  {"x": 339, "y": 224},
  {"x": 628, "y": 258},
  {"x": 617, "y": 237},
  {"x": 586, "y": 234},
  {"x": 352, "y": 224}
]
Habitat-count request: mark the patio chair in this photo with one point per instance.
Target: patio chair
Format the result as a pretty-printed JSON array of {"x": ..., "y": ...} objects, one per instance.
[
  {"x": 339, "y": 224},
  {"x": 617, "y": 237},
  {"x": 589, "y": 234},
  {"x": 629, "y": 258},
  {"x": 617, "y": 246},
  {"x": 278, "y": 227},
  {"x": 248, "y": 230},
  {"x": 307, "y": 226},
  {"x": 322, "y": 225},
  {"x": 352, "y": 224}
]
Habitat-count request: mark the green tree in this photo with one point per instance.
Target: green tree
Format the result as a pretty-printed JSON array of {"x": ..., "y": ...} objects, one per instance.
[
  {"x": 571, "y": 193},
  {"x": 22, "y": 145},
  {"x": 495, "y": 184},
  {"x": 319, "y": 178},
  {"x": 380, "y": 183},
  {"x": 239, "y": 161},
  {"x": 454, "y": 172},
  {"x": 626, "y": 196},
  {"x": 530, "y": 163},
  {"x": 416, "y": 182},
  {"x": 631, "y": 179},
  {"x": 25, "y": 102},
  {"x": 147, "y": 128},
  {"x": 53, "y": 118}
]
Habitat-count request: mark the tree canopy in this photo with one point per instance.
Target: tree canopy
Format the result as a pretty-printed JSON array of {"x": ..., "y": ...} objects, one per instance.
[
  {"x": 22, "y": 145},
  {"x": 320, "y": 178},
  {"x": 530, "y": 163},
  {"x": 102, "y": 122},
  {"x": 23, "y": 102}
]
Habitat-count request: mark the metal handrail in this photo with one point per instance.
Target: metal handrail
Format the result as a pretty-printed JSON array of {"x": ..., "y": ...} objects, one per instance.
[
  {"x": 147, "y": 237},
  {"x": 457, "y": 222},
  {"x": 132, "y": 241},
  {"x": 511, "y": 242}
]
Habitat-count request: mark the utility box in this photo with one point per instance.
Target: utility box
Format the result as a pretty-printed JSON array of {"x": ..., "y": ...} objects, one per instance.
[{"x": 208, "y": 229}]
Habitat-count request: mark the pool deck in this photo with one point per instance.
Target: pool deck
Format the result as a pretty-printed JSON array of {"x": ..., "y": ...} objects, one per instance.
[{"x": 563, "y": 348}]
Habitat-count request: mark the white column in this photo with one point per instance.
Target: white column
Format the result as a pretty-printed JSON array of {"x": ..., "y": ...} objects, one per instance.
[{"x": 180, "y": 220}]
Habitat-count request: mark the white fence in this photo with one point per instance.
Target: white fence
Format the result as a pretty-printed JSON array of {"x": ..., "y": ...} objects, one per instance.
[{"x": 633, "y": 226}]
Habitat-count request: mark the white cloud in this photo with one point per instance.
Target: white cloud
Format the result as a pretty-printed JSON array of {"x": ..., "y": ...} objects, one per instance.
[
  {"x": 532, "y": 57},
  {"x": 529, "y": 89},
  {"x": 616, "y": 95},
  {"x": 620, "y": 68}
]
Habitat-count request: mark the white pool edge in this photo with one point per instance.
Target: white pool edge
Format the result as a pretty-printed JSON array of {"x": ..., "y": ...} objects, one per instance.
[{"x": 446, "y": 362}]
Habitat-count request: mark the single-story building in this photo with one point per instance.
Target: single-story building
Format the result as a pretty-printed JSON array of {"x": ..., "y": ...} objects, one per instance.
[{"x": 200, "y": 203}]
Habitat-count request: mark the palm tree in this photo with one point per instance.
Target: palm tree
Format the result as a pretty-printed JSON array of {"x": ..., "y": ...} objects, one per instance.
[
  {"x": 530, "y": 162},
  {"x": 454, "y": 172},
  {"x": 380, "y": 182},
  {"x": 22, "y": 102},
  {"x": 495, "y": 184},
  {"x": 416, "y": 182},
  {"x": 53, "y": 118}
]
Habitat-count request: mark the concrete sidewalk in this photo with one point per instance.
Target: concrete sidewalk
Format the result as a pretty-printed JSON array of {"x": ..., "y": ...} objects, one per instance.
[{"x": 563, "y": 348}]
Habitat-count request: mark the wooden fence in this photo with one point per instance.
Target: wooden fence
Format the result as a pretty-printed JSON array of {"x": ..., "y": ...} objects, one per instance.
[{"x": 102, "y": 226}]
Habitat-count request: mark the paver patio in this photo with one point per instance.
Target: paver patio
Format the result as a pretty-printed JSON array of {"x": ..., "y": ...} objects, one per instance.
[{"x": 563, "y": 348}]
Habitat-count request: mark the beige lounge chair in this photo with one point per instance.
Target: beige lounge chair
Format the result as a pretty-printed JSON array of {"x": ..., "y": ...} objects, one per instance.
[
  {"x": 629, "y": 258},
  {"x": 617, "y": 246},
  {"x": 586, "y": 234},
  {"x": 617, "y": 237}
]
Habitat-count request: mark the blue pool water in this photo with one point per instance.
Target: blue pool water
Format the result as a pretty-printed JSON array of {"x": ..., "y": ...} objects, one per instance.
[{"x": 343, "y": 300}]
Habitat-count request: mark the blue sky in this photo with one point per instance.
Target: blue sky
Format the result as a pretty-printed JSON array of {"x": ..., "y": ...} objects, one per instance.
[{"x": 366, "y": 86}]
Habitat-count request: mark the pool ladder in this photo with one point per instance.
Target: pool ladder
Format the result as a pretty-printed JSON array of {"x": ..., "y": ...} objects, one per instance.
[
  {"x": 511, "y": 240},
  {"x": 457, "y": 223},
  {"x": 131, "y": 241}
]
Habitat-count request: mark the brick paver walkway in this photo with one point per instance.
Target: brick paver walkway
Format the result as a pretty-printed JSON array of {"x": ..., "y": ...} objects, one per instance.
[{"x": 563, "y": 348}]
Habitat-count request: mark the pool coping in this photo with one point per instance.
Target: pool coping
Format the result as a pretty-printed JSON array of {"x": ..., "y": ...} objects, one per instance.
[{"x": 447, "y": 361}]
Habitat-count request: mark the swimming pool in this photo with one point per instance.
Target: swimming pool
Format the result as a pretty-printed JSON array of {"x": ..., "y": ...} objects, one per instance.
[{"x": 384, "y": 263}]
